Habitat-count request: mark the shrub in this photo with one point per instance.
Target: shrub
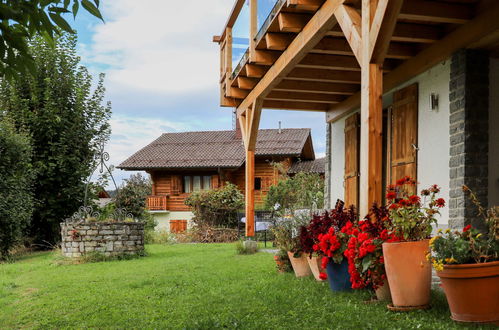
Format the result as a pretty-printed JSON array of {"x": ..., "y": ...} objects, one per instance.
[
  {"x": 303, "y": 191},
  {"x": 217, "y": 207},
  {"x": 242, "y": 248},
  {"x": 16, "y": 178}
]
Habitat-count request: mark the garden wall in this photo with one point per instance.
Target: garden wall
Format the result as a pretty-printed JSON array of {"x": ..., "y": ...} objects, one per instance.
[{"x": 109, "y": 239}]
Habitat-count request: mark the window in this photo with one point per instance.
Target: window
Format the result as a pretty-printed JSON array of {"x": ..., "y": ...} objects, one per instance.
[
  {"x": 258, "y": 183},
  {"x": 196, "y": 182},
  {"x": 187, "y": 184}
]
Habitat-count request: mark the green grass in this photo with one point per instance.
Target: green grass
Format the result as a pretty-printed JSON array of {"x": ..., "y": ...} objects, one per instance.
[{"x": 188, "y": 286}]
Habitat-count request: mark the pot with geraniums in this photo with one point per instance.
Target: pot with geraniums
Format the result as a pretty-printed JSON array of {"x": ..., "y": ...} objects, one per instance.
[
  {"x": 365, "y": 253},
  {"x": 282, "y": 261},
  {"x": 467, "y": 263},
  {"x": 332, "y": 244},
  {"x": 287, "y": 239},
  {"x": 407, "y": 269}
]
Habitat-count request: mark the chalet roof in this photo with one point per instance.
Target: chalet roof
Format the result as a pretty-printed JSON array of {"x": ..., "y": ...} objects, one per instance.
[
  {"x": 213, "y": 149},
  {"x": 309, "y": 166}
]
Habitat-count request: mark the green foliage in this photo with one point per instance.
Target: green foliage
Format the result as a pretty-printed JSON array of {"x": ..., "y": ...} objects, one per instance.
[
  {"x": 21, "y": 20},
  {"x": 161, "y": 291},
  {"x": 302, "y": 191},
  {"x": 133, "y": 195},
  {"x": 16, "y": 179},
  {"x": 287, "y": 232},
  {"x": 67, "y": 123},
  {"x": 217, "y": 207},
  {"x": 158, "y": 237}
]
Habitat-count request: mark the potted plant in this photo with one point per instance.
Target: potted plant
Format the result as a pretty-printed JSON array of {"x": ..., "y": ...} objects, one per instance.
[
  {"x": 286, "y": 238},
  {"x": 365, "y": 253},
  {"x": 282, "y": 261},
  {"x": 332, "y": 243},
  {"x": 408, "y": 271},
  {"x": 467, "y": 263}
]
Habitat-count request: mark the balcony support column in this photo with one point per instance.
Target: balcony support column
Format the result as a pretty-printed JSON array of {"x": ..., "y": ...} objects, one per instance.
[{"x": 249, "y": 121}]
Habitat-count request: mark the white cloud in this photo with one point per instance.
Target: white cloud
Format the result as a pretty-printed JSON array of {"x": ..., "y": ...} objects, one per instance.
[{"x": 160, "y": 45}]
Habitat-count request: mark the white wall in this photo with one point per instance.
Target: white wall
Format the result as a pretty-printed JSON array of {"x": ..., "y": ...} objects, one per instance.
[
  {"x": 433, "y": 135},
  {"x": 494, "y": 132},
  {"x": 337, "y": 160}
]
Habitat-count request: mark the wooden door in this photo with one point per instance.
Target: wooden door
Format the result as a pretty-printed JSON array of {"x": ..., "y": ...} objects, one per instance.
[
  {"x": 404, "y": 134},
  {"x": 176, "y": 184},
  {"x": 352, "y": 150}
]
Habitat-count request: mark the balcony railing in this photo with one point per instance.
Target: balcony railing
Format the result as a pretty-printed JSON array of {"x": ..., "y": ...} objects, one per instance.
[{"x": 157, "y": 203}]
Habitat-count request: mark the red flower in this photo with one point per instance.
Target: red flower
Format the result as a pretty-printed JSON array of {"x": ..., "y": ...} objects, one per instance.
[
  {"x": 391, "y": 195},
  {"x": 394, "y": 206},
  {"x": 440, "y": 202},
  {"x": 425, "y": 192},
  {"x": 435, "y": 189},
  {"x": 414, "y": 199},
  {"x": 465, "y": 229},
  {"x": 324, "y": 262},
  {"x": 400, "y": 182},
  {"x": 404, "y": 202},
  {"x": 323, "y": 276}
]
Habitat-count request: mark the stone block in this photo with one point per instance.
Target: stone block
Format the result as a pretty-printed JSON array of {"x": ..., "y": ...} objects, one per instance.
[{"x": 105, "y": 232}]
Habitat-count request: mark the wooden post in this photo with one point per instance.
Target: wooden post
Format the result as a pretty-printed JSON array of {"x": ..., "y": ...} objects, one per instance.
[
  {"x": 250, "y": 193},
  {"x": 371, "y": 118},
  {"x": 253, "y": 28}
]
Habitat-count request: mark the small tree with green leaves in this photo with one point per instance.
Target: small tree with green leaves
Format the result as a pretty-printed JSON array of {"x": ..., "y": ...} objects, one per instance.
[{"x": 16, "y": 179}]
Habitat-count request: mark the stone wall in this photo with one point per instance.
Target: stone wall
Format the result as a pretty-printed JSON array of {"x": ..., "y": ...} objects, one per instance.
[
  {"x": 109, "y": 239},
  {"x": 469, "y": 97}
]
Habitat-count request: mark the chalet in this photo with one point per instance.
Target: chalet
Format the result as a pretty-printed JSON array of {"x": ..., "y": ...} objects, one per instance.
[
  {"x": 407, "y": 87},
  {"x": 181, "y": 163}
]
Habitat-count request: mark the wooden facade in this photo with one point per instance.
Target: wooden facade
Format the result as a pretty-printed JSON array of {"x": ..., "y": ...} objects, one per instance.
[{"x": 338, "y": 56}]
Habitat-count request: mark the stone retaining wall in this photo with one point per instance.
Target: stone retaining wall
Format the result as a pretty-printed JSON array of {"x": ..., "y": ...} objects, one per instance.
[{"x": 109, "y": 239}]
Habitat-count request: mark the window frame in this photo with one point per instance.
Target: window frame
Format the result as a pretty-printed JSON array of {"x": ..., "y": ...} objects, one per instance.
[{"x": 191, "y": 183}]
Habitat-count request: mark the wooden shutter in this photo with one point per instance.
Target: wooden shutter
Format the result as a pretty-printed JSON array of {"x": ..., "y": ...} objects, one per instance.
[
  {"x": 178, "y": 226},
  {"x": 404, "y": 134},
  {"x": 176, "y": 183},
  {"x": 215, "y": 182},
  {"x": 352, "y": 146}
]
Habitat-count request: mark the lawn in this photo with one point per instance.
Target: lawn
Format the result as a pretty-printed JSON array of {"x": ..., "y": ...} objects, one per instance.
[{"x": 188, "y": 286}]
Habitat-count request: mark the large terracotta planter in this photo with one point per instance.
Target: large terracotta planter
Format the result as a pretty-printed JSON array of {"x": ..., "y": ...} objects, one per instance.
[
  {"x": 300, "y": 265},
  {"x": 472, "y": 291},
  {"x": 408, "y": 273},
  {"x": 315, "y": 266}
]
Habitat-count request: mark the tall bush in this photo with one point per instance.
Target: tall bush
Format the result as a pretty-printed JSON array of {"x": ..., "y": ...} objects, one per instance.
[
  {"x": 16, "y": 179},
  {"x": 217, "y": 207},
  {"x": 67, "y": 121}
]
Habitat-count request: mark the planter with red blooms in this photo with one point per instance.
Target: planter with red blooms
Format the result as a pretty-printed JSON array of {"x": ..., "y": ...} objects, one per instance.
[
  {"x": 467, "y": 263},
  {"x": 300, "y": 264},
  {"x": 407, "y": 268},
  {"x": 332, "y": 245},
  {"x": 365, "y": 253}
]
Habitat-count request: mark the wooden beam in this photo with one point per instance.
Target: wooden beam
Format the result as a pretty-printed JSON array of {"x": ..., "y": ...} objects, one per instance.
[
  {"x": 435, "y": 12},
  {"x": 253, "y": 28},
  {"x": 317, "y": 87},
  {"x": 371, "y": 121},
  {"x": 255, "y": 71},
  {"x": 300, "y": 106},
  {"x": 265, "y": 57},
  {"x": 333, "y": 76},
  {"x": 482, "y": 25},
  {"x": 312, "y": 33},
  {"x": 339, "y": 46},
  {"x": 289, "y": 22},
  {"x": 332, "y": 62},
  {"x": 246, "y": 83},
  {"x": 304, "y": 97},
  {"x": 278, "y": 41},
  {"x": 407, "y": 32},
  {"x": 350, "y": 21},
  {"x": 309, "y": 5},
  {"x": 382, "y": 29}
]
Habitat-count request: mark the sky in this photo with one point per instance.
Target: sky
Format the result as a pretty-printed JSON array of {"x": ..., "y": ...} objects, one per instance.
[{"x": 162, "y": 72}]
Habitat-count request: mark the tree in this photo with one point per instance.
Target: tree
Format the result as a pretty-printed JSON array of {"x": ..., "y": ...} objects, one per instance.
[
  {"x": 21, "y": 20},
  {"x": 16, "y": 200},
  {"x": 67, "y": 123}
]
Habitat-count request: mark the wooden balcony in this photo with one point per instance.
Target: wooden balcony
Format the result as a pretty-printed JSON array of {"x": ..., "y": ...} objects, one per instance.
[{"x": 157, "y": 203}]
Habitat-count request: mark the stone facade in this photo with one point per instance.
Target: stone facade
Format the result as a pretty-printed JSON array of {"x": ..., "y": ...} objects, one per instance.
[
  {"x": 469, "y": 133},
  {"x": 110, "y": 239}
]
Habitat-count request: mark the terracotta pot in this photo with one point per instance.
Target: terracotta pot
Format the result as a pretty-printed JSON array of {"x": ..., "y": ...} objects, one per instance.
[
  {"x": 472, "y": 291},
  {"x": 315, "y": 266},
  {"x": 281, "y": 264},
  {"x": 300, "y": 265},
  {"x": 383, "y": 293},
  {"x": 408, "y": 273}
]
